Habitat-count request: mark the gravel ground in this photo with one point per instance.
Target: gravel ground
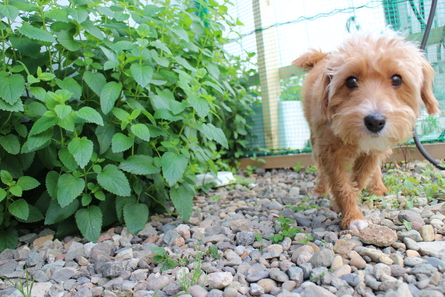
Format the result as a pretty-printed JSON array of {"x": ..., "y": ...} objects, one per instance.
[{"x": 227, "y": 249}]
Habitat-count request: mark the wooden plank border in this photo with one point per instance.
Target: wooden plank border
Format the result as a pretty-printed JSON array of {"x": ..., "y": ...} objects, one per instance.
[{"x": 403, "y": 153}]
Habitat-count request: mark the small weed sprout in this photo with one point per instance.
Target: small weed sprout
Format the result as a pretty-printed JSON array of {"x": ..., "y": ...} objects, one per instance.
[
  {"x": 408, "y": 225},
  {"x": 24, "y": 287},
  {"x": 161, "y": 256},
  {"x": 286, "y": 230}
]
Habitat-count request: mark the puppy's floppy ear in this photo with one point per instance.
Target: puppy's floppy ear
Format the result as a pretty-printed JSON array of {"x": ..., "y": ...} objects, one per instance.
[
  {"x": 431, "y": 104},
  {"x": 325, "y": 80},
  {"x": 308, "y": 60}
]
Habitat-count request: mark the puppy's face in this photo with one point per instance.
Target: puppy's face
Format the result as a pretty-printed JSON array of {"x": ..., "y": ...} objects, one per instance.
[{"x": 374, "y": 90}]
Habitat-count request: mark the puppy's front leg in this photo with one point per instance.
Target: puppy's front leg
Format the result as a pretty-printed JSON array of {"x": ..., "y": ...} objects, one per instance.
[
  {"x": 344, "y": 191},
  {"x": 367, "y": 169}
]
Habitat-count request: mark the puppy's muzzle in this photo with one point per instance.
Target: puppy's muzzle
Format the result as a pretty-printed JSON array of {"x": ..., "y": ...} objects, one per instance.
[{"x": 375, "y": 122}]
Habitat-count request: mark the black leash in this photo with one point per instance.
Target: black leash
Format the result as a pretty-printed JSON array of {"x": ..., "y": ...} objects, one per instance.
[{"x": 419, "y": 146}]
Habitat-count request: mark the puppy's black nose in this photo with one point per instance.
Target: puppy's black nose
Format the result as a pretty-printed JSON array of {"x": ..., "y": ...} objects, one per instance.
[{"x": 375, "y": 122}]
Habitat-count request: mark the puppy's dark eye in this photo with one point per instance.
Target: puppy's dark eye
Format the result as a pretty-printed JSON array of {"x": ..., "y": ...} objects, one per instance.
[
  {"x": 352, "y": 82},
  {"x": 396, "y": 80}
]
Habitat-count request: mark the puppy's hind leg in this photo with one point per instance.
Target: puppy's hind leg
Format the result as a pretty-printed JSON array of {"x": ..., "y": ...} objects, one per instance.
[
  {"x": 322, "y": 185},
  {"x": 376, "y": 185}
]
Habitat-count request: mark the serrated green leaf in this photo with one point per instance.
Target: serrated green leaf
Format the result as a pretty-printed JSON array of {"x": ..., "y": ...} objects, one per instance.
[
  {"x": 121, "y": 114},
  {"x": 143, "y": 30},
  {"x": 26, "y": 160},
  {"x": 182, "y": 199},
  {"x": 43, "y": 124},
  {"x": 9, "y": 11},
  {"x": 213, "y": 133},
  {"x": 25, "y": 46},
  {"x": 56, "y": 213},
  {"x": 183, "y": 62},
  {"x": 36, "y": 109},
  {"x": 38, "y": 92},
  {"x": 121, "y": 142},
  {"x": 119, "y": 206},
  {"x": 82, "y": 150},
  {"x": 16, "y": 190},
  {"x": 17, "y": 106},
  {"x": 213, "y": 70},
  {"x": 159, "y": 251},
  {"x": 160, "y": 45},
  {"x": 141, "y": 131},
  {"x": 135, "y": 216},
  {"x": 86, "y": 199},
  {"x": 114, "y": 180},
  {"x": 27, "y": 183},
  {"x": 6, "y": 177},
  {"x": 200, "y": 104},
  {"x": 34, "y": 215},
  {"x": 215, "y": 86},
  {"x": 69, "y": 188},
  {"x": 36, "y": 33},
  {"x": 162, "y": 61},
  {"x": 123, "y": 45},
  {"x": 90, "y": 115},
  {"x": 89, "y": 222},
  {"x": 139, "y": 164},
  {"x": 173, "y": 167},
  {"x": 141, "y": 74},
  {"x": 104, "y": 136},
  {"x": 10, "y": 143},
  {"x": 58, "y": 15},
  {"x": 108, "y": 96},
  {"x": 78, "y": 14},
  {"x": 93, "y": 30},
  {"x": 35, "y": 142},
  {"x": 166, "y": 114},
  {"x": 67, "y": 159},
  {"x": 51, "y": 180},
  {"x": 63, "y": 110},
  {"x": 99, "y": 195},
  {"x": 3, "y": 194},
  {"x": 96, "y": 81},
  {"x": 46, "y": 76},
  {"x": 11, "y": 88},
  {"x": 111, "y": 55},
  {"x": 8, "y": 239},
  {"x": 19, "y": 209},
  {"x": 66, "y": 39},
  {"x": 71, "y": 85}
]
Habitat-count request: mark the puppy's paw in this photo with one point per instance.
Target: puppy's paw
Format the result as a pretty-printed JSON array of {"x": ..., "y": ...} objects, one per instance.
[{"x": 358, "y": 224}]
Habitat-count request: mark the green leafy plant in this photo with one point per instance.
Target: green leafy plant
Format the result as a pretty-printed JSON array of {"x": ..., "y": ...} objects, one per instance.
[
  {"x": 13, "y": 205},
  {"x": 303, "y": 205},
  {"x": 309, "y": 238},
  {"x": 286, "y": 230},
  {"x": 213, "y": 252},
  {"x": 259, "y": 239},
  {"x": 113, "y": 107},
  {"x": 161, "y": 256}
]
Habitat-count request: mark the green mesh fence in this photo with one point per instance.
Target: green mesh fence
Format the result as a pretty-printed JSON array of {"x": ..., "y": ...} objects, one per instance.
[{"x": 279, "y": 31}]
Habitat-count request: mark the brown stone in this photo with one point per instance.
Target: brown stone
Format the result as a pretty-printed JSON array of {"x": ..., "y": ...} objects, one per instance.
[
  {"x": 377, "y": 235},
  {"x": 427, "y": 233},
  {"x": 41, "y": 240},
  {"x": 343, "y": 247}
]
